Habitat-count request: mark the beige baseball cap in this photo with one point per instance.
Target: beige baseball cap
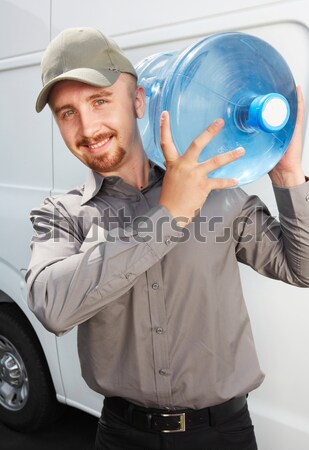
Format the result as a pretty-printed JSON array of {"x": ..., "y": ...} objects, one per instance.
[{"x": 81, "y": 54}]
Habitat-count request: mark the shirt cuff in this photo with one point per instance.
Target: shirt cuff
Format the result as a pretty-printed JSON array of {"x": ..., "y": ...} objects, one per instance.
[{"x": 294, "y": 201}]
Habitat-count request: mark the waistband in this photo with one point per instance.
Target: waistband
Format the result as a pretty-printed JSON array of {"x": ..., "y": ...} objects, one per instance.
[{"x": 173, "y": 421}]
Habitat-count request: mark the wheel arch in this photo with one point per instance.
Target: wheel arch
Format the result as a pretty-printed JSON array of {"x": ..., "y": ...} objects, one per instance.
[{"x": 13, "y": 290}]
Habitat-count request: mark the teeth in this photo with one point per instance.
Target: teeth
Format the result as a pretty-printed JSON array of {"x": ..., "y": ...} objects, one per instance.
[{"x": 99, "y": 144}]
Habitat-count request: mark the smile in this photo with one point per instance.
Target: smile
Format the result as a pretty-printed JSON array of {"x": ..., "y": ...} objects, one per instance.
[
  {"x": 94, "y": 148},
  {"x": 99, "y": 144}
]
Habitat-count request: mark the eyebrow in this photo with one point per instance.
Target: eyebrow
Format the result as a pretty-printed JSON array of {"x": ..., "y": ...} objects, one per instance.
[
  {"x": 103, "y": 93},
  {"x": 61, "y": 108}
]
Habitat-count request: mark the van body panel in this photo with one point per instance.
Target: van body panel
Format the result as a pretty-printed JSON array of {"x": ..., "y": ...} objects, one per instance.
[{"x": 36, "y": 163}]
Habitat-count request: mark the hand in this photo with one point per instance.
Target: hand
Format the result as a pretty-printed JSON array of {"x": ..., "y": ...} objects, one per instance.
[
  {"x": 185, "y": 184},
  {"x": 288, "y": 172}
]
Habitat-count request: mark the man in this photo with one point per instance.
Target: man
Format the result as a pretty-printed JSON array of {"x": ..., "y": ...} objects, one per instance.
[{"x": 145, "y": 261}]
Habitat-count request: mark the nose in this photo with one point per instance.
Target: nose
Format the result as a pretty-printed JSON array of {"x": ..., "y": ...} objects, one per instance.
[{"x": 89, "y": 125}]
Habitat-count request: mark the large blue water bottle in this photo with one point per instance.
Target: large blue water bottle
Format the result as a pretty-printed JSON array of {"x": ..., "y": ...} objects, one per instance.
[{"x": 236, "y": 76}]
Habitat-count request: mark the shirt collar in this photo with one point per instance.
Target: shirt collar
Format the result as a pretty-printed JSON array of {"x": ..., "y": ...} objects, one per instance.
[
  {"x": 94, "y": 181},
  {"x": 92, "y": 186}
]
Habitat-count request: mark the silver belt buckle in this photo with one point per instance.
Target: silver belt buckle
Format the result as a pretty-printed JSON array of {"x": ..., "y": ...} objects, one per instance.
[{"x": 181, "y": 422}]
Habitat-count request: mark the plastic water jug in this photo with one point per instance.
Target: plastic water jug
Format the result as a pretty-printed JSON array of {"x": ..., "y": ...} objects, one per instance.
[{"x": 236, "y": 76}]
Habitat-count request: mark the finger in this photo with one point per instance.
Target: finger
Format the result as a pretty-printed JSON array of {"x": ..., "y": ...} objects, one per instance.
[
  {"x": 221, "y": 183},
  {"x": 300, "y": 107},
  {"x": 168, "y": 148},
  {"x": 203, "y": 139},
  {"x": 297, "y": 134},
  {"x": 221, "y": 160}
]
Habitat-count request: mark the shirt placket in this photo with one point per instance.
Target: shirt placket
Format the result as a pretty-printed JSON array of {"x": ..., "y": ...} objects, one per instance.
[
  {"x": 159, "y": 330},
  {"x": 158, "y": 319}
]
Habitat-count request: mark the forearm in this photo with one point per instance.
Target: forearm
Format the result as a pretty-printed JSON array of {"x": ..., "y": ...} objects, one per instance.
[
  {"x": 75, "y": 288},
  {"x": 275, "y": 249},
  {"x": 287, "y": 179},
  {"x": 293, "y": 205}
]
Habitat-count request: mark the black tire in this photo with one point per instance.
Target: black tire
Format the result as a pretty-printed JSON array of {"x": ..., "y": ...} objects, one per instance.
[{"x": 27, "y": 396}]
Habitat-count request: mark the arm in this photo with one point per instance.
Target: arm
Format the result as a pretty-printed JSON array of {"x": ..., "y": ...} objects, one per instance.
[
  {"x": 67, "y": 284},
  {"x": 289, "y": 172},
  {"x": 281, "y": 250},
  {"x": 278, "y": 250}
]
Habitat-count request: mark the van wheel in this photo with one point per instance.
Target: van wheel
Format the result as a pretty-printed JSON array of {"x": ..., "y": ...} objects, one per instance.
[{"x": 27, "y": 396}]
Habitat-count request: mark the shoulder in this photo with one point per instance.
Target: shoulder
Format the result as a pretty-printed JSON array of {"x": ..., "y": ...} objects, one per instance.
[
  {"x": 231, "y": 204},
  {"x": 65, "y": 204},
  {"x": 226, "y": 200}
]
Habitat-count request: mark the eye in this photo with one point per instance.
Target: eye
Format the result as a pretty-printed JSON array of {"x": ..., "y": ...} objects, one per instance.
[
  {"x": 101, "y": 101},
  {"x": 68, "y": 113}
]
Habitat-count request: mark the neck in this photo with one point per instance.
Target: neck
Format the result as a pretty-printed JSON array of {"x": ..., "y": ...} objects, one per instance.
[{"x": 134, "y": 171}]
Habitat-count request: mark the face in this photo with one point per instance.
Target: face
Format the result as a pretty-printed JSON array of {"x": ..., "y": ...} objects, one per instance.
[{"x": 99, "y": 124}]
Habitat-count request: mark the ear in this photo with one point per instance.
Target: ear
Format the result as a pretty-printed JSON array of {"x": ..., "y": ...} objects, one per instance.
[{"x": 140, "y": 102}]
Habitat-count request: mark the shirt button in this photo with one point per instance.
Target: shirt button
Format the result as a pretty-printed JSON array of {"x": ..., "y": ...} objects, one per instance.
[
  {"x": 128, "y": 275},
  {"x": 155, "y": 286},
  {"x": 159, "y": 330},
  {"x": 162, "y": 372},
  {"x": 307, "y": 198},
  {"x": 168, "y": 241}
]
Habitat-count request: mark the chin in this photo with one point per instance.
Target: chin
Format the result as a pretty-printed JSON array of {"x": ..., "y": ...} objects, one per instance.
[{"x": 106, "y": 163}]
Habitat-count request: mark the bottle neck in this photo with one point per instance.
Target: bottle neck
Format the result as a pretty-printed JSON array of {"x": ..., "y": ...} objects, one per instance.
[{"x": 265, "y": 113}]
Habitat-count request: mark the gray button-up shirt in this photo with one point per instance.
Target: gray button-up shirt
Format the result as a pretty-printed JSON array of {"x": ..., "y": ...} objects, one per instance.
[{"x": 160, "y": 312}]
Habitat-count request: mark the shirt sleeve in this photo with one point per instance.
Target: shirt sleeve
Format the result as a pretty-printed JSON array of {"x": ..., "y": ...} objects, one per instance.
[
  {"x": 69, "y": 279},
  {"x": 277, "y": 249}
]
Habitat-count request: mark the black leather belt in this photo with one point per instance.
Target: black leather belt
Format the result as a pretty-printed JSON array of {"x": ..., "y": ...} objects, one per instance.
[{"x": 171, "y": 421}]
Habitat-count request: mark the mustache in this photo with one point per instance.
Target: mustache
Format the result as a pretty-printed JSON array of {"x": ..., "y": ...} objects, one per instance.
[{"x": 95, "y": 139}]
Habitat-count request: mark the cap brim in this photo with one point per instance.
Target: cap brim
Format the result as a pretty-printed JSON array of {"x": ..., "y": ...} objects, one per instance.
[{"x": 104, "y": 78}]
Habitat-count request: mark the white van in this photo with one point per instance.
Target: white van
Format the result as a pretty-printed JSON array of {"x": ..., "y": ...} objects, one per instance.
[{"x": 36, "y": 367}]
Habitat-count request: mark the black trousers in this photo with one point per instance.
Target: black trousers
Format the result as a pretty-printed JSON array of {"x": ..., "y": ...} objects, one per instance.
[{"x": 236, "y": 433}]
